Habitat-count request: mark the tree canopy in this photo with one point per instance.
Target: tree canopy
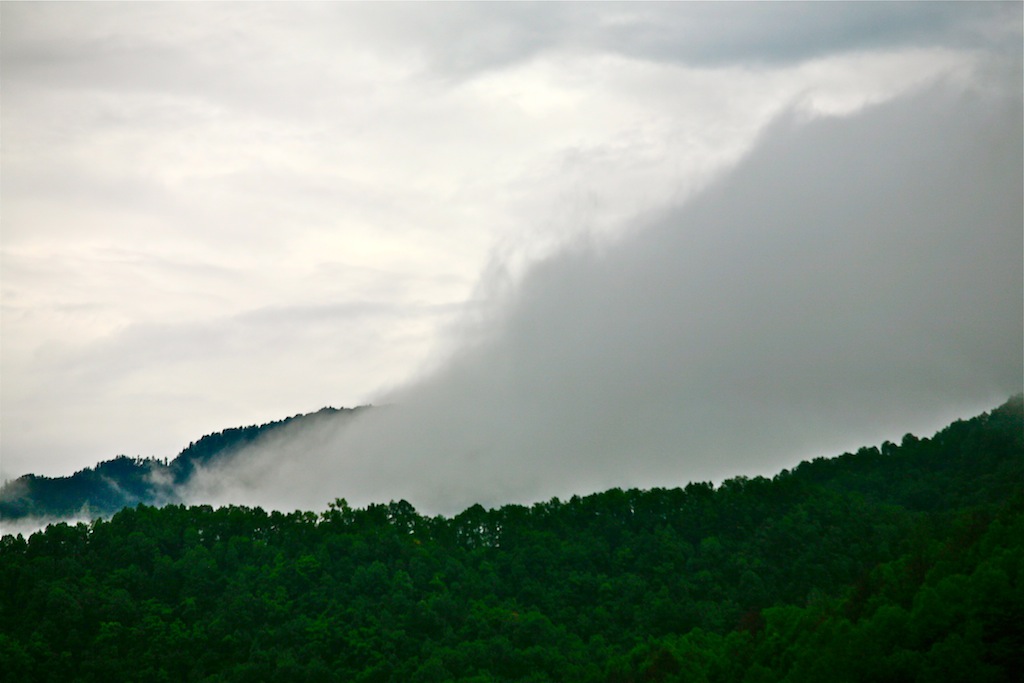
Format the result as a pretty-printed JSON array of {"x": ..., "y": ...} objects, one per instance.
[{"x": 903, "y": 562}]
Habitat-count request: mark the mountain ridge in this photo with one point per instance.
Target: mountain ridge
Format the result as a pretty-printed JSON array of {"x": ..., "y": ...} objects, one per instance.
[{"x": 126, "y": 481}]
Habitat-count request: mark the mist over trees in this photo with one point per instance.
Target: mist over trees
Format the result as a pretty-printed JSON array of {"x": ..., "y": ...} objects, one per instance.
[
  {"x": 124, "y": 481},
  {"x": 903, "y": 562},
  {"x": 850, "y": 279}
]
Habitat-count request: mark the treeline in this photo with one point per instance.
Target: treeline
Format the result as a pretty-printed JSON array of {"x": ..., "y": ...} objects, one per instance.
[
  {"x": 124, "y": 481},
  {"x": 901, "y": 563}
]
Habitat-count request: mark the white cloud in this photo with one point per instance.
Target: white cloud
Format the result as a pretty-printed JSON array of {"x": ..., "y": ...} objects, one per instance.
[{"x": 171, "y": 173}]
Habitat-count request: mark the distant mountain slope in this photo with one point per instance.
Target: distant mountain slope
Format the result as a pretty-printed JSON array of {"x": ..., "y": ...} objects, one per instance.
[{"x": 111, "y": 485}]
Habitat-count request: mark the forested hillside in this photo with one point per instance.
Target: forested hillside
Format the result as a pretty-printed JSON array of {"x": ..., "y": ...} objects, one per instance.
[
  {"x": 904, "y": 563},
  {"x": 124, "y": 481}
]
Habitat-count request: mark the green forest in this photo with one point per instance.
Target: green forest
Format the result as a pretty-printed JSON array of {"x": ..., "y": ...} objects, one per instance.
[{"x": 898, "y": 563}]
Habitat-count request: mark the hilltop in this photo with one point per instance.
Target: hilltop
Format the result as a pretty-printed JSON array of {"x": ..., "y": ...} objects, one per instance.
[{"x": 124, "y": 481}]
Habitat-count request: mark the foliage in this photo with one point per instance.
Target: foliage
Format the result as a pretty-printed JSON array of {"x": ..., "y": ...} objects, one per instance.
[{"x": 899, "y": 563}]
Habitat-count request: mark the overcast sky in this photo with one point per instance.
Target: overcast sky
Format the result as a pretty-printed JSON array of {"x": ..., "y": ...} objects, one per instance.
[{"x": 576, "y": 245}]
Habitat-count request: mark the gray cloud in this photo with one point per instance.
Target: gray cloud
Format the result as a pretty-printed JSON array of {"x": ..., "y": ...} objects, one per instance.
[
  {"x": 774, "y": 33},
  {"x": 465, "y": 39},
  {"x": 852, "y": 279},
  {"x": 144, "y": 49}
]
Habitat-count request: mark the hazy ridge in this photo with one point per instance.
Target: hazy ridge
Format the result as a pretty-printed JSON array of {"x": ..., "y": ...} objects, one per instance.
[{"x": 124, "y": 481}]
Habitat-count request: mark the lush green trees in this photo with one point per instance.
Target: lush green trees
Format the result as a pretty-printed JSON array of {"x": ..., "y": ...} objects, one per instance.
[{"x": 903, "y": 563}]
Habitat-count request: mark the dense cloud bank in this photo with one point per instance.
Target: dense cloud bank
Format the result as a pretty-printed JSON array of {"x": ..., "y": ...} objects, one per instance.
[{"x": 852, "y": 279}]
